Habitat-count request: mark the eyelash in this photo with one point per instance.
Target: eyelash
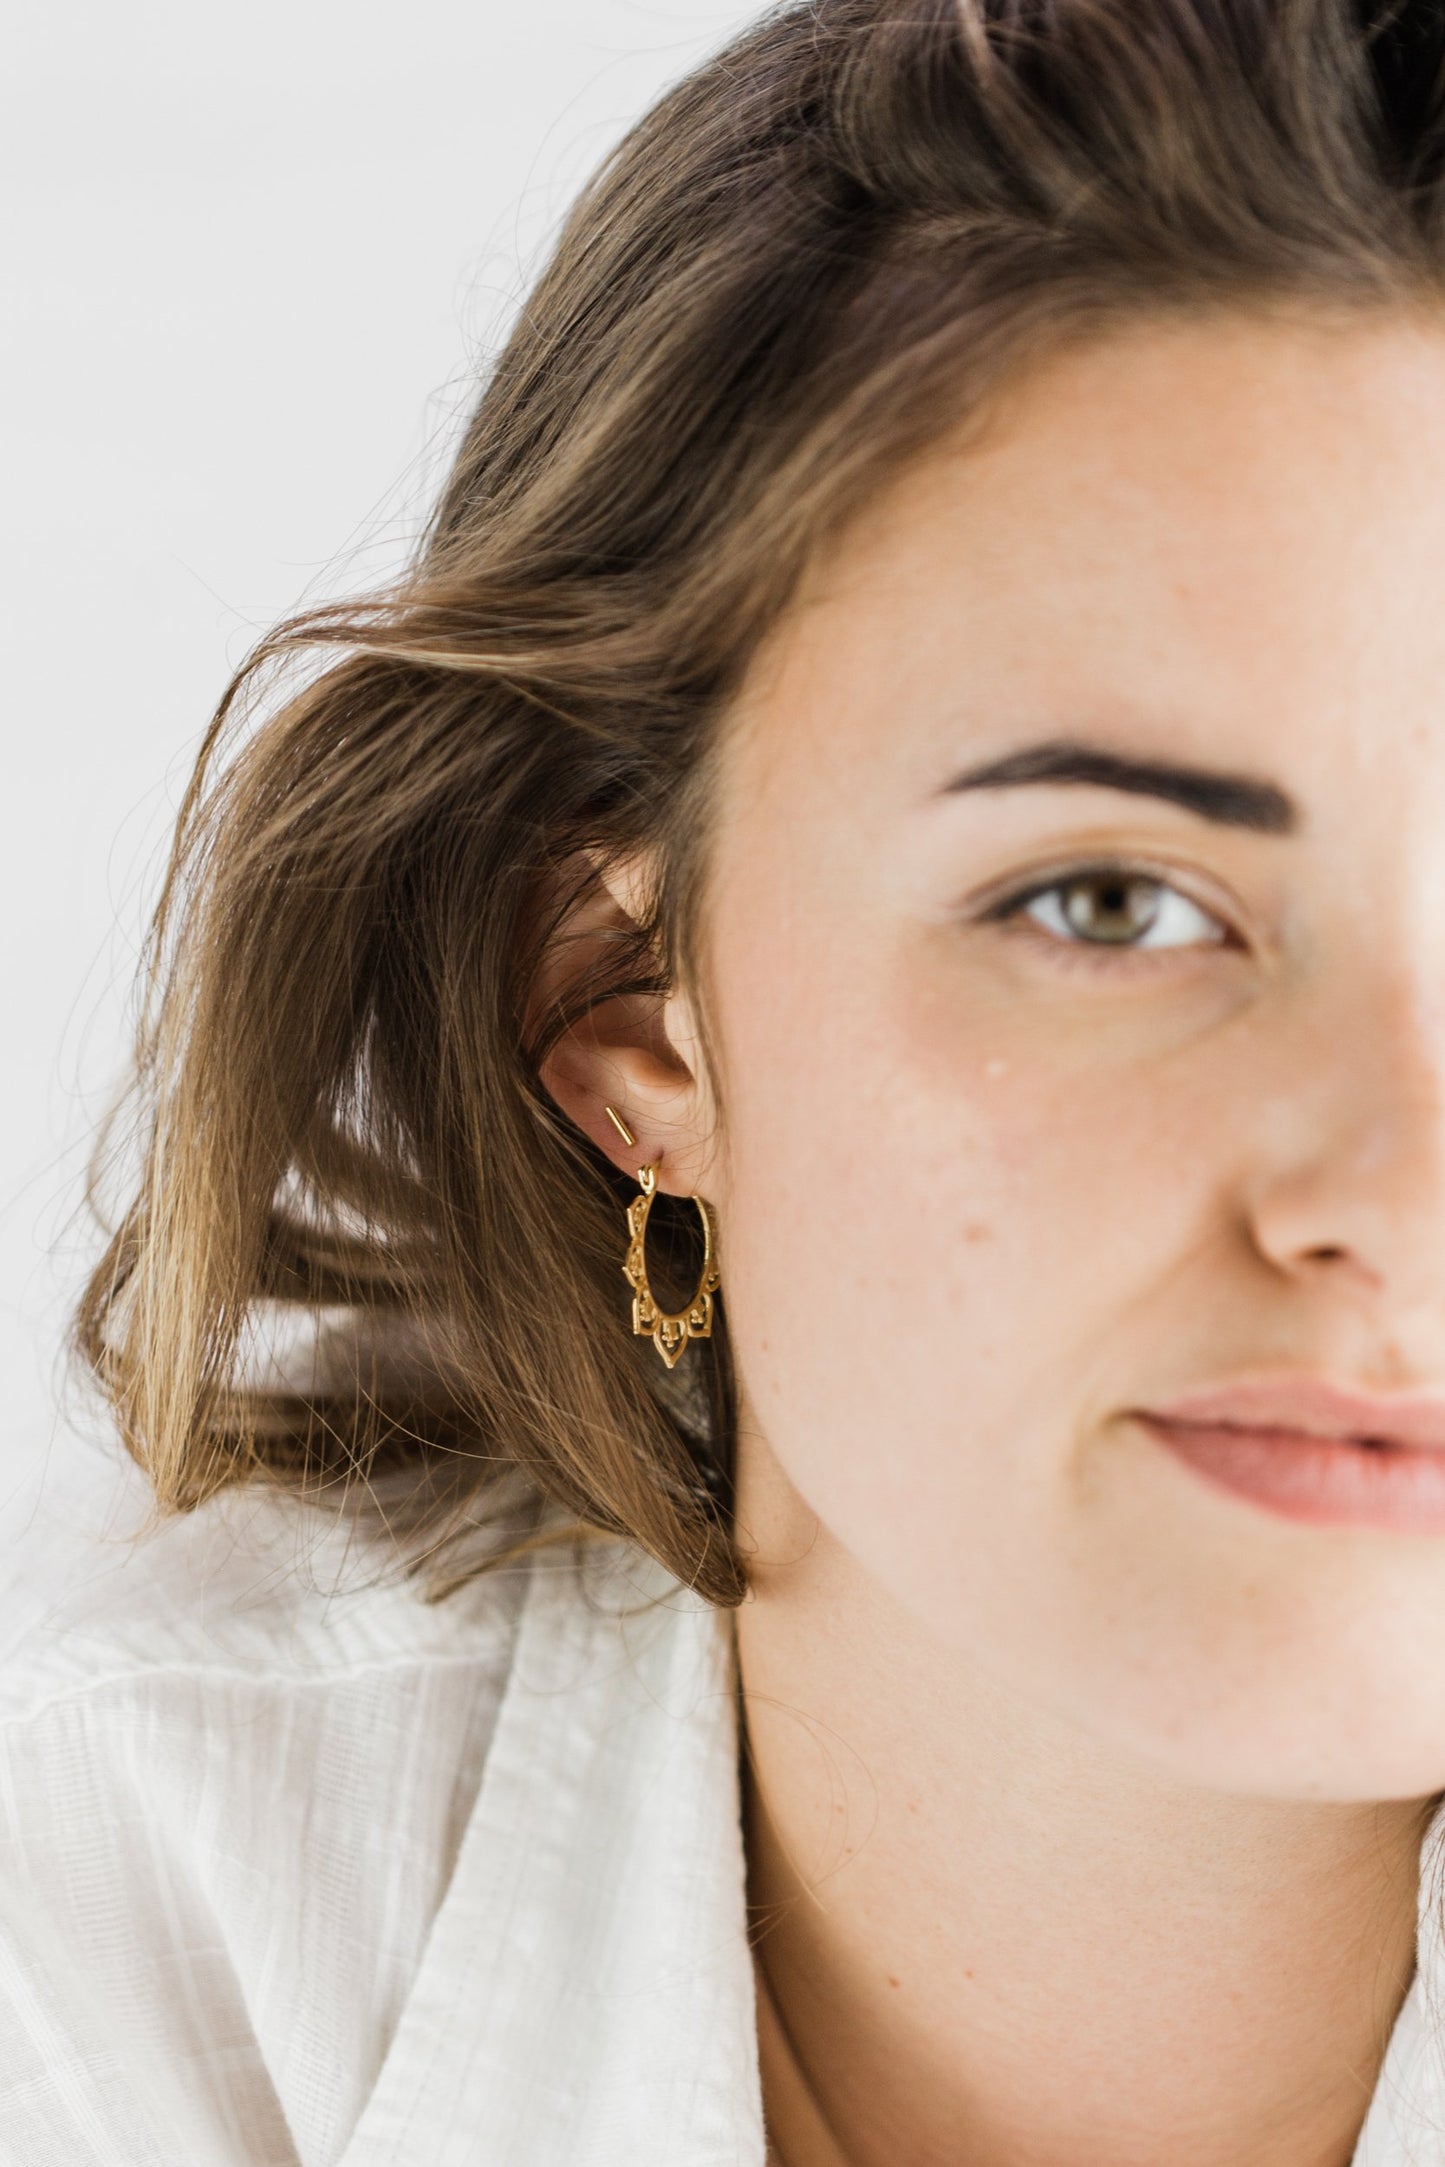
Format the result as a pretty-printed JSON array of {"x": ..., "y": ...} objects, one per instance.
[{"x": 1079, "y": 953}]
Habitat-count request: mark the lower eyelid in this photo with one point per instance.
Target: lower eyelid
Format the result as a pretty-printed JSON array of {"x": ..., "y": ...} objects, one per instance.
[{"x": 1118, "y": 964}]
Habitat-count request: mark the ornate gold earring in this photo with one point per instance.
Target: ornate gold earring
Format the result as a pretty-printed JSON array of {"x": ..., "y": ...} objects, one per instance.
[{"x": 668, "y": 1331}]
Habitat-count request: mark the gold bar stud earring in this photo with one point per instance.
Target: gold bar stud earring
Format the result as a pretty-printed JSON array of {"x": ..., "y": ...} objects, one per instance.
[{"x": 621, "y": 1126}]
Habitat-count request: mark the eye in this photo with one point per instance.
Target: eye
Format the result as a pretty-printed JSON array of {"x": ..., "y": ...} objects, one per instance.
[{"x": 1113, "y": 906}]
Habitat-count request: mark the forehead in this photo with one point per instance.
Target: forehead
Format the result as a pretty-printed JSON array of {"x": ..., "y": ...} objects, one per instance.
[{"x": 1234, "y": 522}]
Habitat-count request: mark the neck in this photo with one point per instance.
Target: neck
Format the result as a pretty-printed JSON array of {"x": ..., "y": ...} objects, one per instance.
[{"x": 982, "y": 1934}]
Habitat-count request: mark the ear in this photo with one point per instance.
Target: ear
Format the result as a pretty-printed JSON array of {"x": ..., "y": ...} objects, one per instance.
[{"x": 638, "y": 1053}]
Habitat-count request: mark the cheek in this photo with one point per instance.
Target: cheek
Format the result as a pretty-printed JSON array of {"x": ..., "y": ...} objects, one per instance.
[{"x": 928, "y": 1277}]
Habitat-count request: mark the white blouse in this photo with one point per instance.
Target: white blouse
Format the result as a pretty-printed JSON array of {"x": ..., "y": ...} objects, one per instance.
[{"x": 297, "y": 1870}]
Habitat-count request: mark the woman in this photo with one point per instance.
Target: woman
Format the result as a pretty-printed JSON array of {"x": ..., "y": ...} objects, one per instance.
[{"x": 799, "y": 1093}]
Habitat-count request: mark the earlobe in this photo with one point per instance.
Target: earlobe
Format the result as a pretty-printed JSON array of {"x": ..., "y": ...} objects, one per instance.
[
  {"x": 618, "y": 1055},
  {"x": 617, "y": 1050}
]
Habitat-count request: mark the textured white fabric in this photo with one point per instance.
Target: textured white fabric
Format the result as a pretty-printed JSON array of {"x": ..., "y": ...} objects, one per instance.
[{"x": 297, "y": 1870}]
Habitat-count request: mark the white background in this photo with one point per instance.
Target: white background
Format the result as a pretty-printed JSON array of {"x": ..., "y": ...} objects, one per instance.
[{"x": 255, "y": 258}]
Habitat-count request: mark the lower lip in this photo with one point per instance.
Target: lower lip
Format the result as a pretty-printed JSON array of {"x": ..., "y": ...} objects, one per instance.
[{"x": 1324, "y": 1481}]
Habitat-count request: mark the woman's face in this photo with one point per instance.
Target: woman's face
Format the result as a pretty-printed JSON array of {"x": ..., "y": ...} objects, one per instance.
[{"x": 992, "y": 1181}]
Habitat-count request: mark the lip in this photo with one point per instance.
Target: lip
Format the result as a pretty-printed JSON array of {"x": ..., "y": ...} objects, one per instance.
[{"x": 1313, "y": 1451}]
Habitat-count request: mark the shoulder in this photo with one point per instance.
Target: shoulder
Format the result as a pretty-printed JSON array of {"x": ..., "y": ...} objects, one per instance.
[
  {"x": 237, "y": 1758},
  {"x": 240, "y": 1674},
  {"x": 249, "y": 1678},
  {"x": 281, "y": 1843},
  {"x": 253, "y": 1588}
]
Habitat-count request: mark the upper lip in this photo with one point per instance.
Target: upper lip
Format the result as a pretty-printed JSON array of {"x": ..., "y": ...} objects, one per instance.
[{"x": 1315, "y": 1407}]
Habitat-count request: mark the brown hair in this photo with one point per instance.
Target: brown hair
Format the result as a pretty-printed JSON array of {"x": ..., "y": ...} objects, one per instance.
[{"x": 825, "y": 246}]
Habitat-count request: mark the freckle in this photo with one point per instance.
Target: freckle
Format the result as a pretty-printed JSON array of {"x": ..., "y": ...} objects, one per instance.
[
  {"x": 913, "y": 1805},
  {"x": 891, "y": 1980},
  {"x": 968, "y": 1975},
  {"x": 976, "y": 1232}
]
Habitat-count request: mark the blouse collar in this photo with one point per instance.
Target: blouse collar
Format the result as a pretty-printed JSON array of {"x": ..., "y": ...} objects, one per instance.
[{"x": 586, "y": 1995}]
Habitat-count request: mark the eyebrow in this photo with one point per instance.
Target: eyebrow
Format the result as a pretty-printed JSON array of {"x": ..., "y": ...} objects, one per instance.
[{"x": 1236, "y": 801}]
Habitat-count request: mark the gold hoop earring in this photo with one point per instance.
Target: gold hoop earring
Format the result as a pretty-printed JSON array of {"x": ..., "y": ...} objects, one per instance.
[{"x": 668, "y": 1331}]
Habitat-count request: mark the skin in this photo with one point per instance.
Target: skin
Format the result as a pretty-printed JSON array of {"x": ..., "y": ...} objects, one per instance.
[{"x": 1083, "y": 1799}]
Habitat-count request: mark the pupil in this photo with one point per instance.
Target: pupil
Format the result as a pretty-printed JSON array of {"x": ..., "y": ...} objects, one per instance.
[{"x": 1125, "y": 908}]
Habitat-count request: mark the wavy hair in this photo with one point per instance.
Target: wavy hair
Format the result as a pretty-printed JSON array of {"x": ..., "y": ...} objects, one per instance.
[{"x": 834, "y": 240}]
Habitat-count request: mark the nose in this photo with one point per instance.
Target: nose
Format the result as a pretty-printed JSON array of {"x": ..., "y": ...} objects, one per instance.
[{"x": 1349, "y": 1186}]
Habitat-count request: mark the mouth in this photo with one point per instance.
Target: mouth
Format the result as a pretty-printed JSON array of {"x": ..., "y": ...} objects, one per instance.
[{"x": 1383, "y": 1470}]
